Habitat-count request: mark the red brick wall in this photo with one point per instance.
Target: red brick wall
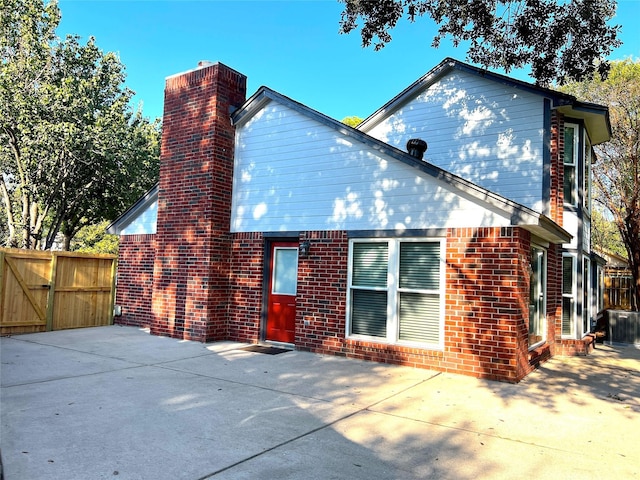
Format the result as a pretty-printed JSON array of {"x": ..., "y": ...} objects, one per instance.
[
  {"x": 486, "y": 320},
  {"x": 554, "y": 295},
  {"x": 322, "y": 280},
  {"x": 322, "y": 298},
  {"x": 486, "y": 305},
  {"x": 486, "y": 325},
  {"x": 557, "y": 168},
  {"x": 135, "y": 279},
  {"x": 246, "y": 274},
  {"x": 191, "y": 272}
]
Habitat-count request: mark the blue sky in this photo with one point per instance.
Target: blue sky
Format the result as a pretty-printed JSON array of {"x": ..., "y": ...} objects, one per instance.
[{"x": 291, "y": 46}]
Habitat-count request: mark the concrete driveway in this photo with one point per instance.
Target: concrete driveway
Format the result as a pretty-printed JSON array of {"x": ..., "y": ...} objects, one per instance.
[{"x": 117, "y": 403}]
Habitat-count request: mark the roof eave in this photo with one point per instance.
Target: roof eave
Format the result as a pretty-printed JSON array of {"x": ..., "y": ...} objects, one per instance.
[
  {"x": 595, "y": 117},
  {"x": 252, "y": 104},
  {"x": 547, "y": 230}
]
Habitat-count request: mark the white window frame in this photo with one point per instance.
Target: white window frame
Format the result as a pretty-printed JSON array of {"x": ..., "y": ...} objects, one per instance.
[
  {"x": 586, "y": 296},
  {"x": 575, "y": 163},
  {"x": 393, "y": 293},
  {"x": 543, "y": 287},
  {"x": 572, "y": 295}
]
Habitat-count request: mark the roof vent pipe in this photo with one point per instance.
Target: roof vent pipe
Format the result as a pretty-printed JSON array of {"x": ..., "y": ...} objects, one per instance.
[{"x": 416, "y": 147}]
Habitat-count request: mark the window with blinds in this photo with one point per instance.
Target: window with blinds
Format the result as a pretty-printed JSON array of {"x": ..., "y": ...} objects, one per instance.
[
  {"x": 419, "y": 285},
  {"x": 396, "y": 291},
  {"x": 369, "y": 270}
]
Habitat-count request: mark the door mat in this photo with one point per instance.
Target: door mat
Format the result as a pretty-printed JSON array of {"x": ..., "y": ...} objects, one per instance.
[{"x": 265, "y": 349}]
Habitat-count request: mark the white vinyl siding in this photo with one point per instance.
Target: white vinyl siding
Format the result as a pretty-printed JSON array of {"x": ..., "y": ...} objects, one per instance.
[
  {"x": 484, "y": 131},
  {"x": 396, "y": 291},
  {"x": 295, "y": 173},
  {"x": 571, "y": 224},
  {"x": 145, "y": 221}
]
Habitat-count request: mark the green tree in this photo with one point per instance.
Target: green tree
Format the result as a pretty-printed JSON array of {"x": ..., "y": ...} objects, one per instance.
[
  {"x": 72, "y": 150},
  {"x": 95, "y": 239},
  {"x": 616, "y": 172},
  {"x": 558, "y": 39},
  {"x": 352, "y": 121},
  {"x": 605, "y": 235}
]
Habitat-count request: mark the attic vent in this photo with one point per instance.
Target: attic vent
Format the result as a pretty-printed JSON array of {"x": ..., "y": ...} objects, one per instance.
[{"x": 416, "y": 147}]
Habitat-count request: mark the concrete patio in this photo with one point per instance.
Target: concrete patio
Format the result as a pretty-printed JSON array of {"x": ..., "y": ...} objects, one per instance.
[{"x": 115, "y": 402}]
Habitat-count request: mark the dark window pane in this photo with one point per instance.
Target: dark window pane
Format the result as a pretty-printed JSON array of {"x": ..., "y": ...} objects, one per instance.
[
  {"x": 569, "y": 165},
  {"x": 569, "y": 182},
  {"x": 567, "y": 315},
  {"x": 370, "y": 262},
  {"x": 420, "y": 265},
  {"x": 567, "y": 275},
  {"x": 420, "y": 317},
  {"x": 369, "y": 313}
]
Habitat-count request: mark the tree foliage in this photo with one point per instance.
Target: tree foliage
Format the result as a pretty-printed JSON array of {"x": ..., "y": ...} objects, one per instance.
[
  {"x": 72, "y": 151},
  {"x": 95, "y": 239},
  {"x": 616, "y": 172},
  {"x": 352, "y": 121},
  {"x": 605, "y": 235},
  {"x": 559, "y": 40}
]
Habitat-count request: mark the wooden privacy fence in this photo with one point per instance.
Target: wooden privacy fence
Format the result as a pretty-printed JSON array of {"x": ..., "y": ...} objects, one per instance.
[
  {"x": 42, "y": 291},
  {"x": 618, "y": 291}
]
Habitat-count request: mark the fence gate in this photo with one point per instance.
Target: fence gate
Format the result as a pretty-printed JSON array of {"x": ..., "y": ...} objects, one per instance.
[{"x": 41, "y": 291}]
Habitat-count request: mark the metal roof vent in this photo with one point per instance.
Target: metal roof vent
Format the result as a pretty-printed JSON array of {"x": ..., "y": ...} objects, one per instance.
[{"x": 416, "y": 147}]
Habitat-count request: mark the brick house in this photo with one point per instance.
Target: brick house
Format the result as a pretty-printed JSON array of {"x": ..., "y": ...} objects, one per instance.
[{"x": 272, "y": 222}]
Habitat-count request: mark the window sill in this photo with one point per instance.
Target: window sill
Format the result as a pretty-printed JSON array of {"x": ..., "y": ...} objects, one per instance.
[
  {"x": 375, "y": 342},
  {"x": 539, "y": 353}
]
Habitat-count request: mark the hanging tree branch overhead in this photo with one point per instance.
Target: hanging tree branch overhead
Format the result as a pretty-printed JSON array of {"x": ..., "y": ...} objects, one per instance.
[{"x": 560, "y": 40}]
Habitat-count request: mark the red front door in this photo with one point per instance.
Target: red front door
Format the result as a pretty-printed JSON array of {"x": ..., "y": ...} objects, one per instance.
[{"x": 281, "y": 302}]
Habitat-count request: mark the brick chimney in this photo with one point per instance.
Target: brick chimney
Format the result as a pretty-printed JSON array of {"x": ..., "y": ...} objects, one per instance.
[{"x": 191, "y": 269}]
